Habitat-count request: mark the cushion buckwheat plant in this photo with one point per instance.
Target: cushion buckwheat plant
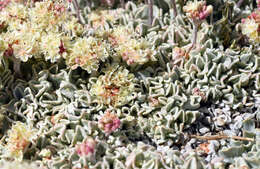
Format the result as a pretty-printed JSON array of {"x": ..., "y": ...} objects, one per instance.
[{"x": 116, "y": 84}]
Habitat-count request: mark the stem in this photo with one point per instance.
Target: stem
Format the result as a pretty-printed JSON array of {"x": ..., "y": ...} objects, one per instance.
[
  {"x": 211, "y": 18},
  {"x": 219, "y": 137},
  {"x": 16, "y": 66},
  {"x": 175, "y": 15},
  {"x": 76, "y": 6},
  {"x": 87, "y": 3},
  {"x": 174, "y": 8},
  {"x": 150, "y": 3},
  {"x": 194, "y": 36},
  {"x": 122, "y": 2},
  {"x": 239, "y": 3}
]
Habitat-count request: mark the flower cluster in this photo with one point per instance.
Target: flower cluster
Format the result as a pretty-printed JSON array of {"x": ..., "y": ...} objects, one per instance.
[
  {"x": 19, "y": 138},
  {"x": 251, "y": 26},
  {"x": 113, "y": 88},
  {"x": 28, "y": 28},
  {"x": 109, "y": 122},
  {"x": 87, "y": 52},
  {"x": 128, "y": 47},
  {"x": 46, "y": 29},
  {"x": 73, "y": 27},
  {"x": 86, "y": 148},
  {"x": 98, "y": 17},
  {"x": 197, "y": 10}
]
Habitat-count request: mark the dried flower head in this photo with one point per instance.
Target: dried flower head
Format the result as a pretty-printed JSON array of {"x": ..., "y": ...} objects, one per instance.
[
  {"x": 154, "y": 102},
  {"x": 197, "y": 10},
  {"x": 196, "y": 91},
  {"x": 86, "y": 148},
  {"x": 45, "y": 153},
  {"x": 56, "y": 118},
  {"x": 178, "y": 53},
  {"x": 203, "y": 148},
  {"x": 19, "y": 138},
  {"x": 109, "y": 122}
]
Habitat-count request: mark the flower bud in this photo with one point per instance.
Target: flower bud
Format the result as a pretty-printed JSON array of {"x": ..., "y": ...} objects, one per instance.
[
  {"x": 86, "y": 148},
  {"x": 109, "y": 122}
]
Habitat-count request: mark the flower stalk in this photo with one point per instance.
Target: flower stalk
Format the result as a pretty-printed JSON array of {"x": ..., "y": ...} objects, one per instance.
[
  {"x": 150, "y": 4},
  {"x": 239, "y": 3},
  {"x": 174, "y": 8},
  {"x": 122, "y": 2},
  {"x": 76, "y": 6},
  {"x": 197, "y": 11}
]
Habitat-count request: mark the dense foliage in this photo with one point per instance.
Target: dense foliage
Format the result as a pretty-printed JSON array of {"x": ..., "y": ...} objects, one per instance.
[{"x": 129, "y": 84}]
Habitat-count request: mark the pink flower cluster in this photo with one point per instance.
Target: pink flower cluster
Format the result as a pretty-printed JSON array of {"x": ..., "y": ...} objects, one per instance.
[
  {"x": 198, "y": 10},
  {"x": 109, "y": 122},
  {"x": 255, "y": 16},
  {"x": 258, "y": 4},
  {"x": 86, "y": 148}
]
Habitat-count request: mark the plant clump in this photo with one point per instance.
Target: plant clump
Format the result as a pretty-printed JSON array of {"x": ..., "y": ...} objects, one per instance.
[{"x": 158, "y": 84}]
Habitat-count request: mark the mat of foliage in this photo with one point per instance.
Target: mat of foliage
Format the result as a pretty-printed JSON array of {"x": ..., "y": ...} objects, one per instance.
[{"x": 121, "y": 84}]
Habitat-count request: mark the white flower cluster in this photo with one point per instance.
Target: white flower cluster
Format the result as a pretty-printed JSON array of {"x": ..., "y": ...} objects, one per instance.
[
  {"x": 114, "y": 88},
  {"x": 48, "y": 30},
  {"x": 251, "y": 26},
  {"x": 128, "y": 47}
]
